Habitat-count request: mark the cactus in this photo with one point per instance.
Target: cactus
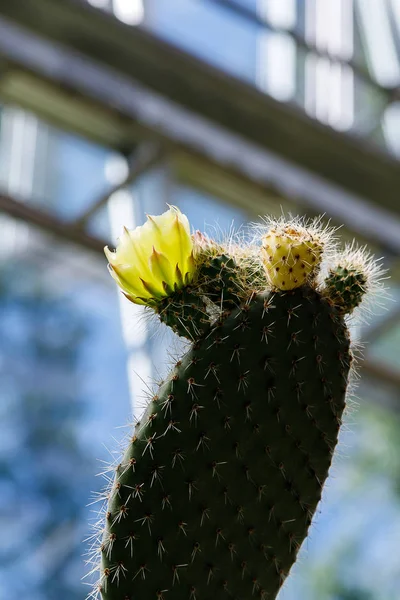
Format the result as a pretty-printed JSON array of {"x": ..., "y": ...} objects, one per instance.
[{"x": 221, "y": 477}]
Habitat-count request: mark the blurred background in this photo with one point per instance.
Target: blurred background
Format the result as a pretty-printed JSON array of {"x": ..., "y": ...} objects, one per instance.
[{"x": 229, "y": 109}]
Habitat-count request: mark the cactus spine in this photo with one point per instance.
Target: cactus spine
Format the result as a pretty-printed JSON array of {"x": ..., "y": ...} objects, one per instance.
[{"x": 220, "y": 479}]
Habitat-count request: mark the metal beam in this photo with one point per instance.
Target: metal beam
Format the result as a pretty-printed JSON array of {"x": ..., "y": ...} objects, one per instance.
[
  {"x": 355, "y": 165},
  {"x": 380, "y": 371},
  {"x": 50, "y": 224}
]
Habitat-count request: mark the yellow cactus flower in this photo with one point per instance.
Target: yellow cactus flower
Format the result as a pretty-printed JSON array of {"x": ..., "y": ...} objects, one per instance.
[
  {"x": 154, "y": 260},
  {"x": 291, "y": 255}
]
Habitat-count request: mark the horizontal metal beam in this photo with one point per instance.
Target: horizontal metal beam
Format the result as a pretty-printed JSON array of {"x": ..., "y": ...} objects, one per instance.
[
  {"x": 355, "y": 165},
  {"x": 63, "y": 230}
]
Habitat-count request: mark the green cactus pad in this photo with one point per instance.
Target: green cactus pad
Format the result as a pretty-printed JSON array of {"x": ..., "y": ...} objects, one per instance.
[
  {"x": 185, "y": 312},
  {"x": 218, "y": 277},
  {"x": 219, "y": 483}
]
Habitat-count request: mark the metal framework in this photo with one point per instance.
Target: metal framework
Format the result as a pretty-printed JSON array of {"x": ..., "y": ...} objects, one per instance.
[{"x": 64, "y": 231}]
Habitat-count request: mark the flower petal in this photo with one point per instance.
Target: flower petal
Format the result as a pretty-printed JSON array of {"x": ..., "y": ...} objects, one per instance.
[
  {"x": 136, "y": 299},
  {"x": 111, "y": 256},
  {"x": 151, "y": 290},
  {"x": 161, "y": 268},
  {"x": 129, "y": 284},
  {"x": 184, "y": 242},
  {"x": 178, "y": 277},
  {"x": 135, "y": 250},
  {"x": 175, "y": 242}
]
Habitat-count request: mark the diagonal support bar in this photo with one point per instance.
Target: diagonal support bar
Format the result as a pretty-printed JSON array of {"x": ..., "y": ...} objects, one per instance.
[
  {"x": 50, "y": 224},
  {"x": 148, "y": 155}
]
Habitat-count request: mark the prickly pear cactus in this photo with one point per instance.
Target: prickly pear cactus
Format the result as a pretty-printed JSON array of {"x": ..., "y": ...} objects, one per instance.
[{"x": 220, "y": 479}]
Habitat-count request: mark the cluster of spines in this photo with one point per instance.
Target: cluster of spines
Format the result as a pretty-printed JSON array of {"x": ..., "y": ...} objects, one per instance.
[
  {"x": 345, "y": 287},
  {"x": 354, "y": 279},
  {"x": 185, "y": 312},
  {"x": 220, "y": 286},
  {"x": 219, "y": 280}
]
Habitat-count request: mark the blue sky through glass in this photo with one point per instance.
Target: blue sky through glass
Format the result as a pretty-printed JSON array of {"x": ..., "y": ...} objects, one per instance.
[{"x": 208, "y": 31}]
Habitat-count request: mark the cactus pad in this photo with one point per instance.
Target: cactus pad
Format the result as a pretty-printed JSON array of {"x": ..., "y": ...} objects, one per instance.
[
  {"x": 185, "y": 312},
  {"x": 346, "y": 287},
  {"x": 219, "y": 281},
  {"x": 219, "y": 483}
]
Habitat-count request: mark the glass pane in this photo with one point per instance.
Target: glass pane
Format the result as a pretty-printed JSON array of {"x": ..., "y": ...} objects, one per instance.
[
  {"x": 78, "y": 173},
  {"x": 206, "y": 212},
  {"x": 207, "y": 30}
]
